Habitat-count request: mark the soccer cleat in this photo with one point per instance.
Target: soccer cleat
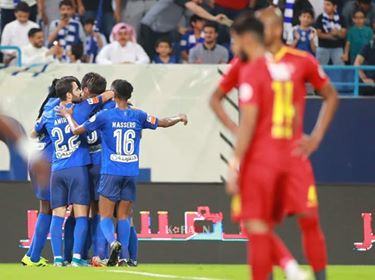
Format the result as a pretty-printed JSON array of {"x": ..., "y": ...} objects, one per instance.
[
  {"x": 26, "y": 260},
  {"x": 115, "y": 249},
  {"x": 98, "y": 262},
  {"x": 122, "y": 262},
  {"x": 132, "y": 263},
  {"x": 40, "y": 263},
  {"x": 78, "y": 262},
  {"x": 58, "y": 262}
]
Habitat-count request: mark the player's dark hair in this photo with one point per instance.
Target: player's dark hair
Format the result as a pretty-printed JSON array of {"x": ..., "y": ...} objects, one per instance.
[
  {"x": 307, "y": 11},
  {"x": 163, "y": 40},
  {"x": 22, "y": 7},
  {"x": 33, "y": 31},
  {"x": 358, "y": 11},
  {"x": 247, "y": 23},
  {"x": 66, "y": 3},
  {"x": 65, "y": 85},
  {"x": 333, "y": 2},
  {"x": 195, "y": 18},
  {"x": 89, "y": 21},
  {"x": 122, "y": 88},
  {"x": 95, "y": 83},
  {"x": 51, "y": 94},
  {"x": 366, "y": 2},
  {"x": 211, "y": 24}
]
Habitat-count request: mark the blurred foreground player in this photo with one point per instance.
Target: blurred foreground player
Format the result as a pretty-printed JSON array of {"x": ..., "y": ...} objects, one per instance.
[
  {"x": 120, "y": 128},
  {"x": 262, "y": 150}
]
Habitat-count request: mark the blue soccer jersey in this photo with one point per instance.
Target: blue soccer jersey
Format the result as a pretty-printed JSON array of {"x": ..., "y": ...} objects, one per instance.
[
  {"x": 69, "y": 150},
  {"x": 121, "y": 134}
]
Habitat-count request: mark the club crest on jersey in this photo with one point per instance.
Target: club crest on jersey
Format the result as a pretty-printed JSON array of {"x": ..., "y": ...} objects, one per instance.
[
  {"x": 151, "y": 119},
  {"x": 93, "y": 100},
  {"x": 280, "y": 71}
]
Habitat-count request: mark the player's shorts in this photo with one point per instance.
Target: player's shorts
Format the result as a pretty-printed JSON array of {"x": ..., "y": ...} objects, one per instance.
[
  {"x": 260, "y": 189},
  {"x": 70, "y": 186},
  {"x": 94, "y": 180},
  {"x": 117, "y": 188},
  {"x": 41, "y": 192},
  {"x": 300, "y": 190}
]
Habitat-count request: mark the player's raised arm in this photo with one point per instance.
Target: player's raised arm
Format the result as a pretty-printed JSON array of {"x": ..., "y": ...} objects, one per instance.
[
  {"x": 107, "y": 95},
  {"x": 74, "y": 127},
  {"x": 171, "y": 121}
]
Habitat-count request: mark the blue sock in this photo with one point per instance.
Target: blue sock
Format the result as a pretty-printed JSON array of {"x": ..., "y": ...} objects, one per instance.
[
  {"x": 87, "y": 246},
  {"x": 40, "y": 236},
  {"x": 123, "y": 234},
  {"x": 56, "y": 235},
  {"x": 133, "y": 244},
  {"x": 108, "y": 229},
  {"x": 69, "y": 238},
  {"x": 99, "y": 243},
  {"x": 80, "y": 234},
  {"x": 28, "y": 253}
]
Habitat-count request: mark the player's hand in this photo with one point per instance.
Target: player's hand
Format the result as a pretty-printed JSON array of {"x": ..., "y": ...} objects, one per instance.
[
  {"x": 232, "y": 179},
  {"x": 306, "y": 146},
  {"x": 184, "y": 118},
  {"x": 63, "y": 111},
  {"x": 41, "y": 169}
]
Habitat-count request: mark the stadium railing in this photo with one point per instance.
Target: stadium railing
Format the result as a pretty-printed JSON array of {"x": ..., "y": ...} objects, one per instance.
[{"x": 14, "y": 48}]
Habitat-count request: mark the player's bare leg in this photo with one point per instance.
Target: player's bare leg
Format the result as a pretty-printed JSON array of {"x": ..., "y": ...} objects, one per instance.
[
  {"x": 106, "y": 208},
  {"x": 123, "y": 229}
]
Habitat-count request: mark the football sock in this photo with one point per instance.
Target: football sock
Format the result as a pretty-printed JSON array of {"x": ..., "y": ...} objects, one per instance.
[
  {"x": 87, "y": 246},
  {"x": 320, "y": 275},
  {"x": 123, "y": 235},
  {"x": 260, "y": 259},
  {"x": 69, "y": 238},
  {"x": 281, "y": 254},
  {"x": 313, "y": 242},
  {"x": 28, "y": 253},
  {"x": 108, "y": 229},
  {"x": 100, "y": 245},
  {"x": 40, "y": 236},
  {"x": 80, "y": 234},
  {"x": 56, "y": 235},
  {"x": 133, "y": 244}
]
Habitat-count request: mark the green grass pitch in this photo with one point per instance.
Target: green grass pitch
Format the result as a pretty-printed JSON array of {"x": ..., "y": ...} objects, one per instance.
[{"x": 164, "y": 271}]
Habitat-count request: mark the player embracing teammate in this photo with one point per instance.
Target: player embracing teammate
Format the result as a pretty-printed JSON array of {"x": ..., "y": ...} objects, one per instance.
[{"x": 270, "y": 170}]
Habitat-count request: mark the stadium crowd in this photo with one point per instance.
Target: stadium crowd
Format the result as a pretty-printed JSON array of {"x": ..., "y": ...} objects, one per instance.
[{"x": 176, "y": 31}]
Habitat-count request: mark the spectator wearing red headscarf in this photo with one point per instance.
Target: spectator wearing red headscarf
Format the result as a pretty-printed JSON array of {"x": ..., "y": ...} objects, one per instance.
[{"x": 124, "y": 47}]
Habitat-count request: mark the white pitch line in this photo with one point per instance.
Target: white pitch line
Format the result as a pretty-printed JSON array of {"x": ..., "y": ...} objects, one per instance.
[{"x": 156, "y": 275}]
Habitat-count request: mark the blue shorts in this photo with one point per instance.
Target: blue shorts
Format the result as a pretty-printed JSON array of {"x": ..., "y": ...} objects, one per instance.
[
  {"x": 94, "y": 180},
  {"x": 117, "y": 188},
  {"x": 70, "y": 186},
  {"x": 41, "y": 192}
]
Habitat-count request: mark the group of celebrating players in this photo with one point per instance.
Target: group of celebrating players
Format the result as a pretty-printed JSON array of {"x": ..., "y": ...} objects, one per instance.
[
  {"x": 270, "y": 175},
  {"x": 91, "y": 137}
]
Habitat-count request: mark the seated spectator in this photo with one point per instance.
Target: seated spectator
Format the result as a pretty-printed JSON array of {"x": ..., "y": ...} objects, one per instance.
[
  {"x": 209, "y": 52},
  {"x": 66, "y": 31},
  {"x": 75, "y": 54},
  {"x": 94, "y": 40},
  {"x": 164, "y": 50},
  {"x": 367, "y": 57},
  {"x": 15, "y": 33},
  {"x": 304, "y": 36},
  {"x": 163, "y": 18},
  {"x": 365, "y": 5},
  {"x": 35, "y": 52},
  {"x": 106, "y": 17},
  {"x": 8, "y": 8},
  {"x": 358, "y": 36},
  {"x": 331, "y": 33},
  {"x": 192, "y": 37},
  {"x": 124, "y": 49}
]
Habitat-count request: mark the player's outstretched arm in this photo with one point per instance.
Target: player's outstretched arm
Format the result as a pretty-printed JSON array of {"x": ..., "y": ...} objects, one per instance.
[
  {"x": 310, "y": 144},
  {"x": 171, "y": 121},
  {"x": 74, "y": 127},
  {"x": 107, "y": 95},
  {"x": 218, "y": 108}
]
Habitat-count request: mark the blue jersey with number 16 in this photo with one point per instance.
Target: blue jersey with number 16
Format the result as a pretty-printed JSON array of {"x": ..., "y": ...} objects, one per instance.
[{"x": 121, "y": 134}]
